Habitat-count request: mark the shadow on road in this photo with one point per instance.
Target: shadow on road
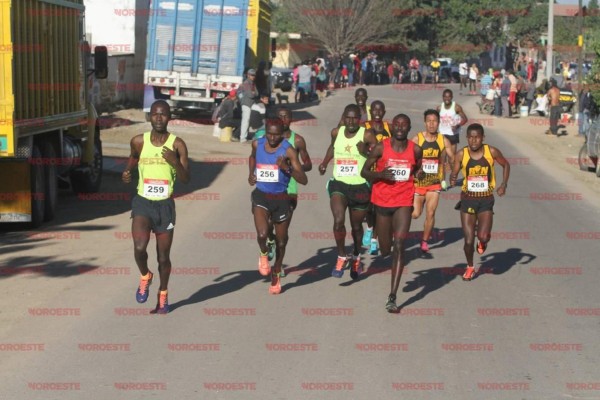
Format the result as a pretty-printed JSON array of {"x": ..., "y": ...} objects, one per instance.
[{"x": 430, "y": 280}]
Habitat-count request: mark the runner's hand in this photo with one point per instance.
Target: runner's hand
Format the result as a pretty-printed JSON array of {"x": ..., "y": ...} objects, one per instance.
[
  {"x": 322, "y": 169},
  {"x": 126, "y": 176},
  {"x": 252, "y": 179},
  {"x": 170, "y": 156},
  {"x": 444, "y": 185},
  {"x": 387, "y": 174},
  {"x": 501, "y": 190},
  {"x": 420, "y": 174},
  {"x": 283, "y": 163}
]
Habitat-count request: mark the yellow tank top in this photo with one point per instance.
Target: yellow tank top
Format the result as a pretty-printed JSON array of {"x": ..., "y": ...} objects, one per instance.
[
  {"x": 431, "y": 160},
  {"x": 347, "y": 161},
  {"x": 156, "y": 175},
  {"x": 380, "y": 136},
  {"x": 479, "y": 177}
]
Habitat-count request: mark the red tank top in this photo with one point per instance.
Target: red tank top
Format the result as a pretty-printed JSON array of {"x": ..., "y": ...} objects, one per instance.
[{"x": 399, "y": 192}]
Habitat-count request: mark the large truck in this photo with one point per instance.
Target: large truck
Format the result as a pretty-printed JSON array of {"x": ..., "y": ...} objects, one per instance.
[
  {"x": 48, "y": 130},
  {"x": 198, "y": 50}
]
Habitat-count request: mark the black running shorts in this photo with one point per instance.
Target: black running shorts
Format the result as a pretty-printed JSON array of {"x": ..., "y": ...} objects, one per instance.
[
  {"x": 161, "y": 213},
  {"x": 278, "y": 205},
  {"x": 476, "y": 205},
  {"x": 357, "y": 196}
]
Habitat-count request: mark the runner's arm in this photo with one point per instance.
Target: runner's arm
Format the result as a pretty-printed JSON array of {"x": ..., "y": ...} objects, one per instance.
[
  {"x": 448, "y": 150},
  {"x": 181, "y": 162},
  {"x": 329, "y": 154},
  {"x": 252, "y": 164},
  {"x": 463, "y": 116},
  {"x": 135, "y": 145},
  {"x": 499, "y": 158},
  {"x": 364, "y": 148},
  {"x": 367, "y": 170},
  {"x": 418, "y": 172},
  {"x": 295, "y": 168},
  {"x": 303, "y": 153},
  {"x": 456, "y": 167}
]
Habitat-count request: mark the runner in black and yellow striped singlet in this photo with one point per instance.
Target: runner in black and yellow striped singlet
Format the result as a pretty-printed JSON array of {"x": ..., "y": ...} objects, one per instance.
[{"x": 476, "y": 161}]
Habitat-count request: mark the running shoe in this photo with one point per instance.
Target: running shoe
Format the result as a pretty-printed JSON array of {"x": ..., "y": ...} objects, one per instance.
[
  {"x": 162, "y": 307},
  {"x": 141, "y": 294},
  {"x": 338, "y": 271},
  {"x": 424, "y": 246},
  {"x": 481, "y": 246},
  {"x": 391, "y": 306},
  {"x": 469, "y": 273},
  {"x": 271, "y": 251},
  {"x": 282, "y": 273},
  {"x": 263, "y": 265},
  {"x": 367, "y": 237},
  {"x": 356, "y": 267},
  {"x": 276, "y": 288},
  {"x": 374, "y": 247}
]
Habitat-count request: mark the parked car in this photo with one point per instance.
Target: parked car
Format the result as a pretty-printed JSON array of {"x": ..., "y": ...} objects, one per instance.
[{"x": 282, "y": 78}]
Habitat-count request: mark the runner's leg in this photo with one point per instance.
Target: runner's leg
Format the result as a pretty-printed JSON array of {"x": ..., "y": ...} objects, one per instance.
[
  {"x": 261, "y": 222},
  {"x": 140, "y": 231},
  {"x": 384, "y": 231},
  {"x": 401, "y": 225},
  {"x": 356, "y": 219},
  {"x": 163, "y": 250},
  {"x": 431, "y": 202},
  {"x": 338, "y": 204},
  {"x": 468, "y": 222}
]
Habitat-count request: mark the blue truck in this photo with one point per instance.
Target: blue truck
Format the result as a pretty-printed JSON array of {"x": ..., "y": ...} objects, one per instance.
[{"x": 195, "y": 51}]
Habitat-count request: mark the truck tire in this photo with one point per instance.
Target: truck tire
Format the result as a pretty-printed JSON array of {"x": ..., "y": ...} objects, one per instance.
[
  {"x": 50, "y": 180},
  {"x": 585, "y": 162},
  {"x": 89, "y": 180},
  {"x": 38, "y": 187}
]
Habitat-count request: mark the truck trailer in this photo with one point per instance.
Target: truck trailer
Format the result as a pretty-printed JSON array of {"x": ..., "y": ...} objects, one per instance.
[
  {"x": 48, "y": 130},
  {"x": 197, "y": 49}
]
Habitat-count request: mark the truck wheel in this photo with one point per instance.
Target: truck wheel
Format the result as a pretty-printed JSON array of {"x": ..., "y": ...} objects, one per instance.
[
  {"x": 38, "y": 188},
  {"x": 585, "y": 163},
  {"x": 88, "y": 180},
  {"x": 50, "y": 181}
]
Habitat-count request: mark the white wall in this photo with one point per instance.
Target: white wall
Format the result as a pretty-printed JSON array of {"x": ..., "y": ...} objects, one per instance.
[{"x": 111, "y": 23}]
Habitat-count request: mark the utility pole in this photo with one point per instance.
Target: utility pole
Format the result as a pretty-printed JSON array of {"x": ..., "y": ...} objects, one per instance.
[
  {"x": 550, "y": 44},
  {"x": 580, "y": 44}
]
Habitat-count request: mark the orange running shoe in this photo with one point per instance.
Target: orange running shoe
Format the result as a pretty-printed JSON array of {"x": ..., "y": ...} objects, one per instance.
[
  {"x": 338, "y": 271},
  {"x": 162, "y": 307},
  {"x": 263, "y": 265},
  {"x": 481, "y": 247},
  {"x": 469, "y": 273},
  {"x": 141, "y": 294},
  {"x": 356, "y": 267},
  {"x": 275, "y": 287}
]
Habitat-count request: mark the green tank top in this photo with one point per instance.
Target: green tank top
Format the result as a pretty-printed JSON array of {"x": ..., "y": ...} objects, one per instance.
[
  {"x": 347, "y": 161},
  {"x": 156, "y": 175}
]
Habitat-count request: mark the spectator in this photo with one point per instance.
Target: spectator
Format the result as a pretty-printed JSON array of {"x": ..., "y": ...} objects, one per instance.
[
  {"x": 585, "y": 106},
  {"x": 261, "y": 80},
  {"x": 512, "y": 97},
  {"x": 530, "y": 96},
  {"x": 344, "y": 76},
  {"x": 463, "y": 72},
  {"x": 497, "y": 86},
  {"x": 473, "y": 73},
  {"x": 226, "y": 115},
  {"x": 304, "y": 77},
  {"x": 247, "y": 94},
  {"x": 531, "y": 71},
  {"x": 390, "y": 73},
  {"x": 504, "y": 95},
  {"x": 486, "y": 83},
  {"x": 259, "y": 112},
  {"x": 558, "y": 77}
]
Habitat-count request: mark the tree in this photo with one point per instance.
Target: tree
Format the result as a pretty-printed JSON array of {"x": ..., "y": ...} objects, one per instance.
[{"x": 344, "y": 25}]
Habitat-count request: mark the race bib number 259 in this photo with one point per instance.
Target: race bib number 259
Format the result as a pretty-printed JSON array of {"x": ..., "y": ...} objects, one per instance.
[{"x": 156, "y": 189}]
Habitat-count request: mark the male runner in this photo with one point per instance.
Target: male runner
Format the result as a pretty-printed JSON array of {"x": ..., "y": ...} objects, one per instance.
[
  {"x": 272, "y": 163},
  {"x": 452, "y": 117},
  {"x": 360, "y": 96},
  {"x": 477, "y": 198},
  {"x": 349, "y": 147},
  {"x": 161, "y": 157},
  {"x": 427, "y": 189},
  {"x": 297, "y": 142},
  {"x": 396, "y": 160},
  {"x": 381, "y": 130}
]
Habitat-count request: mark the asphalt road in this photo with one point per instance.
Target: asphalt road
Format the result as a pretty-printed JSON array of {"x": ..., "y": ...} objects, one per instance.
[{"x": 525, "y": 328}]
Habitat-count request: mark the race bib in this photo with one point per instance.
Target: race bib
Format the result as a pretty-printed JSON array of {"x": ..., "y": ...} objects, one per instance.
[
  {"x": 400, "y": 169},
  {"x": 430, "y": 166},
  {"x": 156, "y": 189},
  {"x": 267, "y": 173},
  {"x": 477, "y": 184},
  {"x": 346, "y": 167}
]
